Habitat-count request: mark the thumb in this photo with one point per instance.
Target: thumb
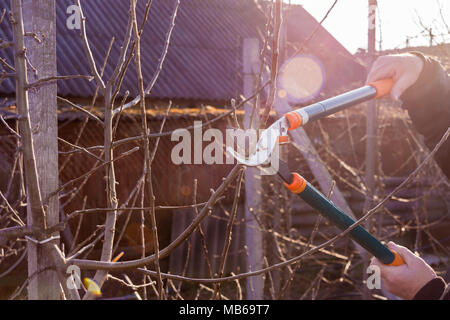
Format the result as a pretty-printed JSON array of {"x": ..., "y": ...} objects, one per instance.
[{"x": 405, "y": 253}]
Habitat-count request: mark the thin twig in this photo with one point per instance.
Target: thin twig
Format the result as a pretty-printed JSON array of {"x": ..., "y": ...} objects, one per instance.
[{"x": 57, "y": 78}]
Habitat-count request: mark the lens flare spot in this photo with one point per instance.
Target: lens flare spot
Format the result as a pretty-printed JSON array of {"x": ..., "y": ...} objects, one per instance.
[
  {"x": 185, "y": 191},
  {"x": 92, "y": 287},
  {"x": 302, "y": 78},
  {"x": 282, "y": 93}
]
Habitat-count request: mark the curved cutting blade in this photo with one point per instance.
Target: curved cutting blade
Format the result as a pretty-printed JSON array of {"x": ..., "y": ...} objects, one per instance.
[{"x": 265, "y": 146}]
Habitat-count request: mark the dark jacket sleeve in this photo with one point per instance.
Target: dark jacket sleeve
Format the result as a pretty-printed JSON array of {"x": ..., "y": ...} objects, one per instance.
[
  {"x": 433, "y": 290},
  {"x": 428, "y": 105}
]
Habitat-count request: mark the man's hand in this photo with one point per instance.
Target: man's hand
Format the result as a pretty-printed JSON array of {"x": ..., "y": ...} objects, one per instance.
[
  {"x": 404, "y": 69},
  {"x": 406, "y": 280}
]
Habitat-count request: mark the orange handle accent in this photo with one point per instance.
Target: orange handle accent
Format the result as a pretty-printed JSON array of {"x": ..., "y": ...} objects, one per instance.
[
  {"x": 298, "y": 184},
  {"x": 398, "y": 260},
  {"x": 294, "y": 119},
  {"x": 383, "y": 87}
]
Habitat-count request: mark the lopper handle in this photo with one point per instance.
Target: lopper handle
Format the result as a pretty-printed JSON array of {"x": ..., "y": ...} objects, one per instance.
[
  {"x": 335, "y": 104},
  {"x": 318, "y": 201},
  {"x": 383, "y": 87},
  {"x": 398, "y": 260}
]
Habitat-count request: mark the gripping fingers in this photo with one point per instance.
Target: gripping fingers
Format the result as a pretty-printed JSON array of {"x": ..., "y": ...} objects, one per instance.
[{"x": 398, "y": 260}]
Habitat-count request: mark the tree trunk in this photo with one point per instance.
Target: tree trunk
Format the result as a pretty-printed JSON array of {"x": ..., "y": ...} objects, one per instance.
[
  {"x": 253, "y": 234},
  {"x": 40, "y": 19}
]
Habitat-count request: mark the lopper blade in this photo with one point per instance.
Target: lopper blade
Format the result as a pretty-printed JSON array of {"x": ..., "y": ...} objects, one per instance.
[{"x": 266, "y": 144}]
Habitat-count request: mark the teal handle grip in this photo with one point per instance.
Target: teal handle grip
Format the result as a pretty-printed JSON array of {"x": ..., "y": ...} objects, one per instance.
[{"x": 335, "y": 215}]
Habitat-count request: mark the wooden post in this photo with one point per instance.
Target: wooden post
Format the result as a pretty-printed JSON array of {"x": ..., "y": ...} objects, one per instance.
[
  {"x": 371, "y": 119},
  {"x": 253, "y": 235},
  {"x": 371, "y": 133},
  {"x": 371, "y": 137},
  {"x": 40, "y": 19}
]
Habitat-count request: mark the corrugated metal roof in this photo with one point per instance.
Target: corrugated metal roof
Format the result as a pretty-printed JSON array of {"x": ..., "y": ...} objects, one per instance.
[{"x": 204, "y": 58}]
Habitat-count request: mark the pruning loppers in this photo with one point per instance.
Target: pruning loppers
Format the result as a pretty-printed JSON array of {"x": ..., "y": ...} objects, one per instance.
[{"x": 277, "y": 133}]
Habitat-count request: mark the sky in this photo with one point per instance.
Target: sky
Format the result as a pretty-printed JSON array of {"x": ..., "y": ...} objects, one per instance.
[{"x": 398, "y": 19}]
